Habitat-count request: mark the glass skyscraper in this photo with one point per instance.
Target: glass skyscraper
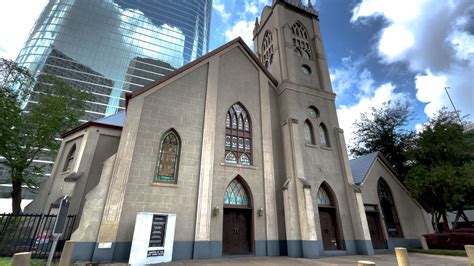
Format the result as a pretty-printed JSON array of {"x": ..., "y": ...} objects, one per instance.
[{"x": 110, "y": 47}]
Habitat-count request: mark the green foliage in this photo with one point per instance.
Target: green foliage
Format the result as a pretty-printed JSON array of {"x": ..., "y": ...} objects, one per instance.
[
  {"x": 27, "y": 130},
  {"x": 447, "y": 252},
  {"x": 384, "y": 130},
  {"x": 442, "y": 167}
]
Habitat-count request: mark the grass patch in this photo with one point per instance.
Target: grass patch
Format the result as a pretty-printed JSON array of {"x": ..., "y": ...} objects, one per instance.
[
  {"x": 6, "y": 261},
  {"x": 447, "y": 252}
]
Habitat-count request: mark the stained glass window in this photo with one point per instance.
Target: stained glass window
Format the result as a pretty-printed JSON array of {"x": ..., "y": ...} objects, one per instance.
[
  {"x": 238, "y": 135},
  {"x": 308, "y": 133},
  {"x": 323, "y": 136},
  {"x": 168, "y": 158},
  {"x": 300, "y": 40},
  {"x": 230, "y": 158},
  {"x": 69, "y": 158},
  {"x": 235, "y": 194},
  {"x": 323, "y": 197},
  {"x": 244, "y": 159},
  {"x": 313, "y": 112}
]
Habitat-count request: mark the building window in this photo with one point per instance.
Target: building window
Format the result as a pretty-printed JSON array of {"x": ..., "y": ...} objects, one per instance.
[
  {"x": 238, "y": 138},
  {"x": 323, "y": 135},
  {"x": 313, "y": 112},
  {"x": 323, "y": 198},
  {"x": 267, "y": 49},
  {"x": 300, "y": 40},
  {"x": 168, "y": 158},
  {"x": 235, "y": 194},
  {"x": 308, "y": 133},
  {"x": 387, "y": 205},
  {"x": 69, "y": 159}
]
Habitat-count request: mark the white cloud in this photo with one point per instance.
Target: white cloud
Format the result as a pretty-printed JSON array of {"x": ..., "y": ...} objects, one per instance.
[
  {"x": 436, "y": 40},
  {"x": 14, "y": 29},
  {"x": 221, "y": 10},
  {"x": 349, "y": 114},
  {"x": 242, "y": 28}
]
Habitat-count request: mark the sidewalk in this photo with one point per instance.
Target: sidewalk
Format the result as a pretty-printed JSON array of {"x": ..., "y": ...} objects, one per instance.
[
  {"x": 383, "y": 259},
  {"x": 380, "y": 260}
]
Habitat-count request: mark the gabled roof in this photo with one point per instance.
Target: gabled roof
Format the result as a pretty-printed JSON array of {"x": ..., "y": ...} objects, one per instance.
[
  {"x": 202, "y": 59},
  {"x": 115, "y": 121},
  {"x": 360, "y": 166}
]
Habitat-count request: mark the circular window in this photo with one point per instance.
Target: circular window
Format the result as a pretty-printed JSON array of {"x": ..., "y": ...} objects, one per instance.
[
  {"x": 313, "y": 112},
  {"x": 306, "y": 70}
]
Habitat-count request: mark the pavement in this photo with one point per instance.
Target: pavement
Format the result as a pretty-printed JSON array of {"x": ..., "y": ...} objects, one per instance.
[{"x": 382, "y": 260}]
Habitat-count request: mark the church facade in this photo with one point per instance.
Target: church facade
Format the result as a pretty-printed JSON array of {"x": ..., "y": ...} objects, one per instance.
[{"x": 244, "y": 147}]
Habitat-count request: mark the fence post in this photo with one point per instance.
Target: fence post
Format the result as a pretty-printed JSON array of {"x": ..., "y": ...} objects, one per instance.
[
  {"x": 470, "y": 253},
  {"x": 21, "y": 259},
  {"x": 402, "y": 256},
  {"x": 365, "y": 263}
]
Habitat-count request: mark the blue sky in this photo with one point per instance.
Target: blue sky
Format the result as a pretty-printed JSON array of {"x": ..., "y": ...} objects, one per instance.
[
  {"x": 380, "y": 50},
  {"x": 377, "y": 50}
]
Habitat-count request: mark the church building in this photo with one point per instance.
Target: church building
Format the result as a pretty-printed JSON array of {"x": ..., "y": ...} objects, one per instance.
[{"x": 245, "y": 148}]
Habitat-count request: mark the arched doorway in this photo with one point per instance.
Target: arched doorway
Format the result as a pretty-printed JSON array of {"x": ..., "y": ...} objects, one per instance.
[
  {"x": 237, "y": 234},
  {"x": 387, "y": 205},
  {"x": 329, "y": 222}
]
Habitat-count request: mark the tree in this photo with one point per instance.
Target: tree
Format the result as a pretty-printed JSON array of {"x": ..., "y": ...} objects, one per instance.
[
  {"x": 28, "y": 131},
  {"x": 384, "y": 130},
  {"x": 442, "y": 168}
]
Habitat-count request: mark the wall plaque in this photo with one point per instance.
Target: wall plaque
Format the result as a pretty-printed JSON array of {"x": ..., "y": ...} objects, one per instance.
[{"x": 153, "y": 238}]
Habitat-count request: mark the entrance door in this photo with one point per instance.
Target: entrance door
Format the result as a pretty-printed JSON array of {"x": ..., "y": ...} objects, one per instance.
[
  {"x": 328, "y": 228},
  {"x": 375, "y": 229},
  {"x": 236, "y": 231}
]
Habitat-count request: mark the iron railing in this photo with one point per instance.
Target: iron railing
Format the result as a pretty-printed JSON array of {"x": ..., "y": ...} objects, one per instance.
[{"x": 31, "y": 232}]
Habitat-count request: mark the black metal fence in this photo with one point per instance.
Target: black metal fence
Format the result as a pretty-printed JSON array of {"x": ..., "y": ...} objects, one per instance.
[{"x": 31, "y": 232}]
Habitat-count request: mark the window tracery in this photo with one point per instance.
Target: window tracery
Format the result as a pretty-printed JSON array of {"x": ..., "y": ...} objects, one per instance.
[
  {"x": 300, "y": 40},
  {"x": 238, "y": 138},
  {"x": 267, "y": 49},
  {"x": 308, "y": 133},
  {"x": 323, "y": 135}
]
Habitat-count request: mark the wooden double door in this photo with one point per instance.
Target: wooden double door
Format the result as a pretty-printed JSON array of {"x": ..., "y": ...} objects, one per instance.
[
  {"x": 237, "y": 234},
  {"x": 329, "y": 228},
  {"x": 376, "y": 233}
]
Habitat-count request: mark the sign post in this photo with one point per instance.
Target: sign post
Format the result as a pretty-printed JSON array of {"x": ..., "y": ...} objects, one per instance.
[
  {"x": 59, "y": 225},
  {"x": 153, "y": 238}
]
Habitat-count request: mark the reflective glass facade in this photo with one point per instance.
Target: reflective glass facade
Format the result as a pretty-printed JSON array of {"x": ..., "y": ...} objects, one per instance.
[{"x": 110, "y": 47}]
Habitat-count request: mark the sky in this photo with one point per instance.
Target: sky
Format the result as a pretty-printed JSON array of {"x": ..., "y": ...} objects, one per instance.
[{"x": 377, "y": 50}]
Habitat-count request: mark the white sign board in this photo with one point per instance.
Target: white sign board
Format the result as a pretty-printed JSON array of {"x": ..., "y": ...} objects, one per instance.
[{"x": 153, "y": 238}]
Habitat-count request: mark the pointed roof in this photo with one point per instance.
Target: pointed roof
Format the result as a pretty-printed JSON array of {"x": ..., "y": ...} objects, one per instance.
[
  {"x": 360, "y": 166},
  {"x": 115, "y": 121},
  {"x": 203, "y": 58}
]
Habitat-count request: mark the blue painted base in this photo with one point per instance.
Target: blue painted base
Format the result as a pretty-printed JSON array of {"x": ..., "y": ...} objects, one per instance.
[
  {"x": 402, "y": 242},
  {"x": 185, "y": 250}
]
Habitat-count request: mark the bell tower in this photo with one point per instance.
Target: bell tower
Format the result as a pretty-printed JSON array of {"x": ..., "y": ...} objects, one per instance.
[{"x": 287, "y": 39}]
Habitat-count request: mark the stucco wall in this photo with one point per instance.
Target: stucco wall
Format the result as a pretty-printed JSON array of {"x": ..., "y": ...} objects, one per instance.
[
  {"x": 178, "y": 105},
  {"x": 410, "y": 214},
  {"x": 238, "y": 81}
]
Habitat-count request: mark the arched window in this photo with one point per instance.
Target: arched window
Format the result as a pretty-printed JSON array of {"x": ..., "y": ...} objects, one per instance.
[
  {"x": 70, "y": 158},
  {"x": 388, "y": 209},
  {"x": 308, "y": 132},
  {"x": 313, "y": 112},
  {"x": 238, "y": 137},
  {"x": 267, "y": 49},
  {"x": 323, "y": 136},
  {"x": 300, "y": 40},
  {"x": 168, "y": 158},
  {"x": 328, "y": 218},
  {"x": 236, "y": 194}
]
